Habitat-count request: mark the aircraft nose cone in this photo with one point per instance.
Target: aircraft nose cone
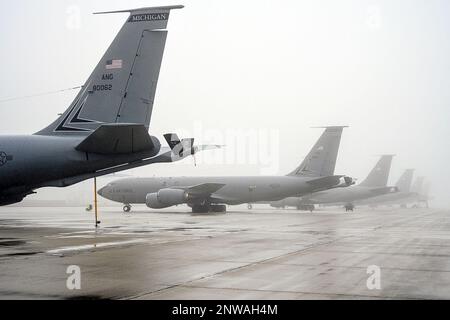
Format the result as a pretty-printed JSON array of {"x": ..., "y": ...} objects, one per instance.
[{"x": 102, "y": 191}]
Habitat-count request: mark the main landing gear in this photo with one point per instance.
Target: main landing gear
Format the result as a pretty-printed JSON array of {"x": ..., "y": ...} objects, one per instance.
[
  {"x": 349, "y": 207},
  {"x": 249, "y": 207},
  {"x": 306, "y": 207},
  {"x": 127, "y": 208},
  {"x": 209, "y": 208}
]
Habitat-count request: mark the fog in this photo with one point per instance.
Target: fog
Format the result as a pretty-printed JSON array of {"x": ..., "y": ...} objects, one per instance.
[{"x": 255, "y": 76}]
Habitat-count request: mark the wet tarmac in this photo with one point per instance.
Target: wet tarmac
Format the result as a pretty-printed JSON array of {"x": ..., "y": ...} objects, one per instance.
[{"x": 258, "y": 254}]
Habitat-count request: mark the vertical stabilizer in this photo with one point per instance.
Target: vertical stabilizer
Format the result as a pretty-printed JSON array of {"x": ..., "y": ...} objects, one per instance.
[
  {"x": 418, "y": 185},
  {"x": 122, "y": 87},
  {"x": 379, "y": 175},
  {"x": 321, "y": 160},
  {"x": 405, "y": 181}
]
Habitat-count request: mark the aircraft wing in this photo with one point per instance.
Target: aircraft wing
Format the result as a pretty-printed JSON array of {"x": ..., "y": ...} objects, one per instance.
[{"x": 202, "y": 190}]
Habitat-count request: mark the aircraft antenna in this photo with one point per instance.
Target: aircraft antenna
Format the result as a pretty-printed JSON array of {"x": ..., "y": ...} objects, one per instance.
[{"x": 42, "y": 94}]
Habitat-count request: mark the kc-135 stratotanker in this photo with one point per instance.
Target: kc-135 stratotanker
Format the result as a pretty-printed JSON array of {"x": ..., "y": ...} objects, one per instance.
[
  {"x": 212, "y": 194},
  {"x": 105, "y": 129}
]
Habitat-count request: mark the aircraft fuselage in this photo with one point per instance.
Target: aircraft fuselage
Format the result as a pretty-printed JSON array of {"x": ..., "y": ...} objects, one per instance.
[
  {"x": 236, "y": 190},
  {"x": 33, "y": 161}
]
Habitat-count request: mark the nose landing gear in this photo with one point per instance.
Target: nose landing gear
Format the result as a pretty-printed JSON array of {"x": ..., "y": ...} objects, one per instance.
[{"x": 127, "y": 208}]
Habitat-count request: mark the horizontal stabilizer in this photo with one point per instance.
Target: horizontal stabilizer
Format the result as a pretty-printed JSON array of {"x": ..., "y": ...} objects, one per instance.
[
  {"x": 180, "y": 147},
  {"x": 172, "y": 140},
  {"x": 383, "y": 190},
  {"x": 188, "y": 146},
  {"x": 117, "y": 139},
  {"x": 325, "y": 182}
]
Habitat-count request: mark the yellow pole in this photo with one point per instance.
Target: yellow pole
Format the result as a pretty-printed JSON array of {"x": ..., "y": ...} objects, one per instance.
[{"x": 95, "y": 202}]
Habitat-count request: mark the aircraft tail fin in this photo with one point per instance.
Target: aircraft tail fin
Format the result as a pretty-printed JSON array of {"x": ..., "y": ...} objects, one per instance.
[
  {"x": 321, "y": 160},
  {"x": 404, "y": 183},
  {"x": 425, "y": 191},
  {"x": 122, "y": 87},
  {"x": 418, "y": 185},
  {"x": 379, "y": 175}
]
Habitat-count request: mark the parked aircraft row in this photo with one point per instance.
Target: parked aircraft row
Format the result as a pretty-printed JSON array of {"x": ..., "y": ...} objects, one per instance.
[
  {"x": 373, "y": 191},
  {"x": 105, "y": 130},
  {"x": 204, "y": 194},
  {"x": 312, "y": 183}
]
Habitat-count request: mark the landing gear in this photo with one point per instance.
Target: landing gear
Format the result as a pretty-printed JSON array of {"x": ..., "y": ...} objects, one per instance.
[
  {"x": 306, "y": 207},
  {"x": 349, "y": 207},
  {"x": 209, "y": 208},
  {"x": 219, "y": 208},
  {"x": 249, "y": 207},
  {"x": 200, "y": 208},
  {"x": 127, "y": 208}
]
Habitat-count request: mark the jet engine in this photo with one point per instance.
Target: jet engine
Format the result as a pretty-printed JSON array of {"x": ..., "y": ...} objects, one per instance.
[{"x": 166, "y": 198}]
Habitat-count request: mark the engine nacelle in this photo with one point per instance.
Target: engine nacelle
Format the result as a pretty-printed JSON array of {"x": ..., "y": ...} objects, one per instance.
[{"x": 166, "y": 198}]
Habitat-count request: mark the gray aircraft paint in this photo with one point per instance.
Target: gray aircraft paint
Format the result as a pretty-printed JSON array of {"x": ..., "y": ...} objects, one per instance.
[
  {"x": 238, "y": 190},
  {"x": 404, "y": 182},
  {"x": 321, "y": 160},
  {"x": 117, "y": 99},
  {"x": 422, "y": 189},
  {"x": 379, "y": 175},
  {"x": 418, "y": 185},
  {"x": 375, "y": 184},
  {"x": 122, "y": 87},
  {"x": 403, "y": 196}
]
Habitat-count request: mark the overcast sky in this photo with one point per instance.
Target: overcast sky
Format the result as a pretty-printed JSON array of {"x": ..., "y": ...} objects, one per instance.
[{"x": 265, "y": 69}]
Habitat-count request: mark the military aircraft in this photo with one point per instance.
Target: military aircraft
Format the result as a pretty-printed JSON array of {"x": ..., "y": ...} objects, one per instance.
[
  {"x": 422, "y": 188},
  {"x": 212, "y": 194},
  {"x": 105, "y": 129},
  {"x": 373, "y": 185},
  {"x": 402, "y": 197},
  {"x": 419, "y": 193}
]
